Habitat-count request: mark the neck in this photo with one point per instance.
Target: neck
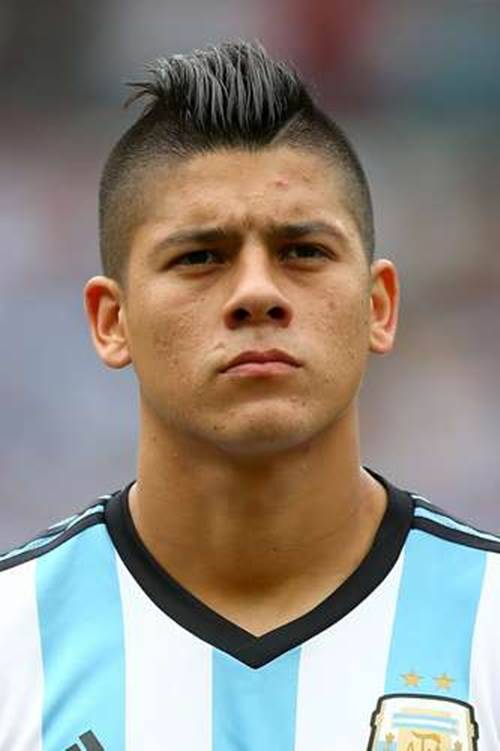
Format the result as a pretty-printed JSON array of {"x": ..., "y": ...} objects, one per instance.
[{"x": 286, "y": 529}]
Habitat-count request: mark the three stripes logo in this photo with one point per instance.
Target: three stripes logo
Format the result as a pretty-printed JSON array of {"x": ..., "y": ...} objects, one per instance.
[{"x": 87, "y": 741}]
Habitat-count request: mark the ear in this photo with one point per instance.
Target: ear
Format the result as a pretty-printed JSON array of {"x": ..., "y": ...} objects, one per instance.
[
  {"x": 103, "y": 300},
  {"x": 384, "y": 306}
]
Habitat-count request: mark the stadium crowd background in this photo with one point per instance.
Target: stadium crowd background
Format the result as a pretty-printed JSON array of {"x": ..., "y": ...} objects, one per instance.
[{"x": 417, "y": 87}]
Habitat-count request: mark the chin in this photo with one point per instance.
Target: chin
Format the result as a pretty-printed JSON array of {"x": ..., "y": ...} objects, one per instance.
[
  {"x": 264, "y": 440},
  {"x": 258, "y": 451}
]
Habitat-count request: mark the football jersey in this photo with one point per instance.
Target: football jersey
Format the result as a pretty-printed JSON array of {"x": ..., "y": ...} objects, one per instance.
[{"x": 102, "y": 650}]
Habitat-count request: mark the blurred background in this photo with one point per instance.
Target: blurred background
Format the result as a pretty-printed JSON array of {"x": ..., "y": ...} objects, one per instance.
[{"x": 417, "y": 87}]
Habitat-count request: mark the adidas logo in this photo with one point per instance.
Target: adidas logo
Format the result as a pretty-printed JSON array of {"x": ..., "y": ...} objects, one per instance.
[{"x": 87, "y": 741}]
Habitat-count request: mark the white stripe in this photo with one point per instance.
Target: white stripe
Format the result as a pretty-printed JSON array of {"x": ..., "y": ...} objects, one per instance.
[
  {"x": 70, "y": 520},
  {"x": 21, "y": 673},
  {"x": 485, "y": 659},
  {"x": 98, "y": 509},
  {"x": 168, "y": 677},
  {"x": 342, "y": 673}
]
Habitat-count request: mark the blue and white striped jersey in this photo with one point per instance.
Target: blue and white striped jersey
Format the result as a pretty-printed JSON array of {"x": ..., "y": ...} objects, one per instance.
[{"x": 102, "y": 650}]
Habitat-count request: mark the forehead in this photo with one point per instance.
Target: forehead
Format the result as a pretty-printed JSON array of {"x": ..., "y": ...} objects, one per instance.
[{"x": 245, "y": 189}]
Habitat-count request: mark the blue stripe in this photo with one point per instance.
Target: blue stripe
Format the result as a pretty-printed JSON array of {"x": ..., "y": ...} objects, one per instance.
[
  {"x": 52, "y": 534},
  {"x": 26, "y": 547},
  {"x": 435, "y": 616},
  {"x": 427, "y": 726},
  {"x": 445, "y": 521},
  {"x": 254, "y": 708},
  {"x": 409, "y": 718},
  {"x": 81, "y": 629}
]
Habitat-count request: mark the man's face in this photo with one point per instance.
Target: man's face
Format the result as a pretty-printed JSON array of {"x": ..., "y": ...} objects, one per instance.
[{"x": 247, "y": 251}]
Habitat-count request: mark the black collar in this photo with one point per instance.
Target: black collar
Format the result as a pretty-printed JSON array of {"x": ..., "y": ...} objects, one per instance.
[{"x": 255, "y": 651}]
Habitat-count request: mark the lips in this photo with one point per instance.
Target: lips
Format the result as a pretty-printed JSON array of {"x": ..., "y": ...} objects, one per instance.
[{"x": 253, "y": 356}]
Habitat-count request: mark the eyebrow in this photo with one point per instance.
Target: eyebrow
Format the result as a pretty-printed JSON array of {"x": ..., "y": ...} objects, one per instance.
[{"x": 290, "y": 231}]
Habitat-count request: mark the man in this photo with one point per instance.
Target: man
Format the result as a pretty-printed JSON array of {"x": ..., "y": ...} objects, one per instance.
[{"x": 256, "y": 588}]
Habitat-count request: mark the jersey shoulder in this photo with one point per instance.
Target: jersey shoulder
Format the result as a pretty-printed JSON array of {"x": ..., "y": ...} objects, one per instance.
[
  {"x": 55, "y": 535},
  {"x": 436, "y": 521}
]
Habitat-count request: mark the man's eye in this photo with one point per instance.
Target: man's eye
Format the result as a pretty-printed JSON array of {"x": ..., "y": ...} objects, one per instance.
[
  {"x": 299, "y": 251},
  {"x": 195, "y": 258},
  {"x": 304, "y": 250}
]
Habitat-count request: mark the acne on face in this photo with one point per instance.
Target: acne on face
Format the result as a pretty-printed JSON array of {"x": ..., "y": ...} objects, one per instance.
[
  {"x": 281, "y": 183},
  {"x": 181, "y": 320},
  {"x": 244, "y": 191}
]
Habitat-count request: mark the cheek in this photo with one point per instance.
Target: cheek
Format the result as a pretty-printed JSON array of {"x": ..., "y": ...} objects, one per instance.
[
  {"x": 163, "y": 358},
  {"x": 173, "y": 338},
  {"x": 345, "y": 325},
  {"x": 175, "y": 335},
  {"x": 347, "y": 310}
]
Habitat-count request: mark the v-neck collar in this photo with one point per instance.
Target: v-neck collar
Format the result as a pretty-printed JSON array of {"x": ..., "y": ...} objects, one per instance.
[{"x": 255, "y": 651}]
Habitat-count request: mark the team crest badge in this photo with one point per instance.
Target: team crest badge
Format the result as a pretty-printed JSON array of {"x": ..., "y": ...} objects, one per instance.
[{"x": 410, "y": 722}]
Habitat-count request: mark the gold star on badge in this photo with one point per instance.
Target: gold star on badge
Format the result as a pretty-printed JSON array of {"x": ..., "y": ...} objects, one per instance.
[
  {"x": 412, "y": 679},
  {"x": 444, "y": 681}
]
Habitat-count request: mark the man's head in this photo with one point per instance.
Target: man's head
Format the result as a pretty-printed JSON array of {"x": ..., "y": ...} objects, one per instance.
[
  {"x": 224, "y": 233},
  {"x": 230, "y": 96}
]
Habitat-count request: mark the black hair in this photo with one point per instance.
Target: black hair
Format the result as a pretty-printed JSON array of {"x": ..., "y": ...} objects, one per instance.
[{"x": 230, "y": 95}]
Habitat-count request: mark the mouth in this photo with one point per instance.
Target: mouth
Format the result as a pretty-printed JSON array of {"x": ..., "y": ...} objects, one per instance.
[
  {"x": 261, "y": 369},
  {"x": 273, "y": 361}
]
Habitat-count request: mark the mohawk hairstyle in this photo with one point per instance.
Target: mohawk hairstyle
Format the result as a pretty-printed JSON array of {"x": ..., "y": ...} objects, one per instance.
[
  {"x": 228, "y": 96},
  {"x": 232, "y": 92}
]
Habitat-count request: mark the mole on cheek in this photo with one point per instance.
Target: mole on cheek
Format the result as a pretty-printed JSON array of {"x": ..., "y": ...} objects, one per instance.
[{"x": 280, "y": 183}]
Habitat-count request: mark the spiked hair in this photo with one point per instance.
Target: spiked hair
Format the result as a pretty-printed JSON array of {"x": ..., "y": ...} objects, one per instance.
[{"x": 228, "y": 96}]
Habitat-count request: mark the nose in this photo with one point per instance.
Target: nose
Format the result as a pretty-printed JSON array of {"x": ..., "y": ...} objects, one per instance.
[{"x": 255, "y": 296}]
